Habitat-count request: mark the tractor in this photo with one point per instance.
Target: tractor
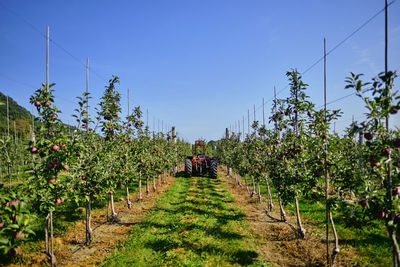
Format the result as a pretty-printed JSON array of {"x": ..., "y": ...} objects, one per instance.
[{"x": 200, "y": 163}]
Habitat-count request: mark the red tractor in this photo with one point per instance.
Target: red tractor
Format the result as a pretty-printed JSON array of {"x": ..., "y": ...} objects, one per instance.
[{"x": 200, "y": 163}]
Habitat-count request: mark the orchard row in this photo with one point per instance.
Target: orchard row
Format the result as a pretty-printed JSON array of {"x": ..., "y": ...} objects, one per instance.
[
  {"x": 357, "y": 174},
  {"x": 104, "y": 153}
]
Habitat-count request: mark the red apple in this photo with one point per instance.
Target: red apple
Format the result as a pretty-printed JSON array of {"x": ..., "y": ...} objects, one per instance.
[
  {"x": 1, "y": 224},
  {"x": 52, "y": 180},
  {"x": 58, "y": 201},
  {"x": 83, "y": 177},
  {"x": 111, "y": 193},
  {"x": 55, "y": 147},
  {"x": 37, "y": 103},
  {"x": 393, "y": 111},
  {"x": 381, "y": 215},
  {"x": 66, "y": 167},
  {"x": 387, "y": 151},
  {"x": 19, "y": 235},
  {"x": 114, "y": 103},
  {"x": 33, "y": 150},
  {"x": 368, "y": 136},
  {"x": 13, "y": 204},
  {"x": 363, "y": 203},
  {"x": 341, "y": 192},
  {"x": 54, "y": 115},
  {"x": 396, "y": 191},
  {"x": 47, "y": 104}
]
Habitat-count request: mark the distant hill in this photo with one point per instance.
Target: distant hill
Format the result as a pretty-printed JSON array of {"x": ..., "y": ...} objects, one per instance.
[{"x": 20, "y": 115}]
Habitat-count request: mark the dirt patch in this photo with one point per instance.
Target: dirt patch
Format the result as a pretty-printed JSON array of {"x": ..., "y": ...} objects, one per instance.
[
  {"x": 277, "y": 241},
  {"x": 70, "y": 250}
]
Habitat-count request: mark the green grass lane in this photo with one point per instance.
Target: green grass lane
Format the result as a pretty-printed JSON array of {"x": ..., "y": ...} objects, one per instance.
[{"x": 193, "y": 224}]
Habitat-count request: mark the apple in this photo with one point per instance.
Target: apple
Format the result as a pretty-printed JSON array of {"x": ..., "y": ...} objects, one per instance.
[
  {"x": 19, "y": 235},
  {"x": 37, "y": 103},
  {"x": 396, "y": 191},
  {"x": 55, "y": 148},
  {"x": 58, "y": 201},
  {"x": 62, "y": 145},
  {"x": 83, "y": 177},
  {"x": 363, "y": 203},
  {"x": 341, "y": 192},
  {"x": 393, "y": 111},
  {"x": 14, "y": 204},
  {"x": 52, "y": 180},
  {"x": 14, "y": 251},
  {"x": 116, "y": 114},
  {"x": 1, "y": 224},
  {"x": 374, "y": 162},
  {"x": 141, "y": 160},
  {"x": 54, "y": 115},
  {"x": 114, "y": 103},
  {"x": 33, "y": 150},
  {"x": 66, "y": 167},
  {"x": 368, "y": 136},
  {"x": 387, "y": 151},
  {"x": 56, "y": 162},
  {"x": 278, "y": 141},
  {"x": 381, "y": 215},
  {"x": 111, "y": 193},
  {"x": 47, "y": 104},
  {"x": 325, "y": 136}
]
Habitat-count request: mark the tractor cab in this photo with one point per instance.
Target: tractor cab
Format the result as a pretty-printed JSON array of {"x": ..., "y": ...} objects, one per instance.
[{"x": 200, "y": 162}]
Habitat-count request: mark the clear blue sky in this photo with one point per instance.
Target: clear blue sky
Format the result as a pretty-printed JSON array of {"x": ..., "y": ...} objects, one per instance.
[{"x": 199, "y": 65}]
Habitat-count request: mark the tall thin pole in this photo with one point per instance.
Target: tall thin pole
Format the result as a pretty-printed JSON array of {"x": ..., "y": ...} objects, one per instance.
[
  {"x": 33, "y": 128},
  {"x": 87, "y": 95},
  {"x": 47, "y": 58},
  {"x": 15, "y": 135},
  {"x": 325, "y": 165},
  {"x": 128, "y": 103},
  {"x": 8, "y": 119},
  {"x": 263, "y": 112},
  {"x": 248, "y": 121},
  {"x": 386, "y": 37},
  {"x": 254, "y": 113},
  {"x": 243, "y": 128},
  {"x": 239, "y": 129}
]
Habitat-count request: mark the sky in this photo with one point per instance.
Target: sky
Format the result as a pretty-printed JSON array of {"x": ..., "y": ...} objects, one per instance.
[{"x": 196, "y": 65}]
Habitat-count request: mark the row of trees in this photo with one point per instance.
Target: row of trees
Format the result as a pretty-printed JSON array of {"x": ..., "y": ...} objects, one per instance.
[
  {"x": 104, "y": 154},
  {"x": 300, "y": 158}
]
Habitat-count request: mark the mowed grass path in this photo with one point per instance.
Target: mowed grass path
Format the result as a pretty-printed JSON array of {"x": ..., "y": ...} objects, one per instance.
[{"x": 193, "y": 224}]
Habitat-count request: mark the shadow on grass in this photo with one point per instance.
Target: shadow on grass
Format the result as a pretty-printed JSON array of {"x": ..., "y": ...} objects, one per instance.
[{"x": 205, "y": 215}]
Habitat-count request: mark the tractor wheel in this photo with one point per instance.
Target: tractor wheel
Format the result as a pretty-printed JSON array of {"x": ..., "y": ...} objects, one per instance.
[
  {"x": 213, "y": 169},
  {"x": 188, "y": 168}
]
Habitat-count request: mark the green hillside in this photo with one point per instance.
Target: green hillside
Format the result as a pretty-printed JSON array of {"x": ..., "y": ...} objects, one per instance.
[{"x": 20, "y": 115}]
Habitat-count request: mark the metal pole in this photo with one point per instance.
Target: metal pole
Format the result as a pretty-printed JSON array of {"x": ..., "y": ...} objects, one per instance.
[
  {"x": 263, "y": 112},
  {"x": 47, "y": 59},
  {"x": 8, "y": 120},
  {"x": 87, "y": 95},
  {"x": 325, "y": 165},
  {"x": 248, "y": 121}
]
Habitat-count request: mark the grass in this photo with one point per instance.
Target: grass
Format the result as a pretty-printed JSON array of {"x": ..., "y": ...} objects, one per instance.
[
  {"x": 193, "y": 224},
  {"x": 64, "y": 219},
  {"x": 372, "y": 243}
]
